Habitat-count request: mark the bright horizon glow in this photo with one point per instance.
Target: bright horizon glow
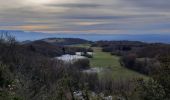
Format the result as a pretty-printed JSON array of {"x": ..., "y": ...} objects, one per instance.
[
  {"x": 42, "y": 2},
  {"x": 39, "y": 1}
]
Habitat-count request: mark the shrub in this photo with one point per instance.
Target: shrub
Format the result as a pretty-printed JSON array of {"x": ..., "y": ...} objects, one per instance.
[
  {"x": 151, "y": 90},
  {"x": 82, "y": 64}
]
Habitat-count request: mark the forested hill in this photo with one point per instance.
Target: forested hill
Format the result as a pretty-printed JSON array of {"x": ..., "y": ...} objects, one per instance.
[
  {"x": 66, "y": 41},
  {"x": 51, "y": 48}
]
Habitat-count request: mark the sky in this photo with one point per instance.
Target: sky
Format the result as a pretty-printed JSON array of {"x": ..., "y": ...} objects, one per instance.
[{"x": 86, "y": 16}]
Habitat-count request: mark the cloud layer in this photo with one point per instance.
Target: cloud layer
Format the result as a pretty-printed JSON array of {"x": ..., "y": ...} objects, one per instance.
[{"x": 90, "y": 16}]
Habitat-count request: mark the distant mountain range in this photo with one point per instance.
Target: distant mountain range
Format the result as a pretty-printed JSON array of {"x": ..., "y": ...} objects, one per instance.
[
  {"x": 9, "y": 31},
  {"x": 61, "y": 41},
  {"x": 66, "y": 41},
  {"x": 150, "y": 37}
]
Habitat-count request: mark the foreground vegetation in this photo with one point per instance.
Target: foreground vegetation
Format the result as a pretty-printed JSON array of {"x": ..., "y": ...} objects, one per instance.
[{"x": 26, "y": 74}]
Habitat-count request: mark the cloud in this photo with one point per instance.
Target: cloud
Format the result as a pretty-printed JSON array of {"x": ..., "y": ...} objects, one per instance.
[
  {"x": 162, "y": 5},
  {"x": 85, "y": 16},
  {"x": 32, "y": 27},
  {"x": 93, "y": 17},
  {"x": 75, "y": 5},
  {"x": 108, "y": 17}
]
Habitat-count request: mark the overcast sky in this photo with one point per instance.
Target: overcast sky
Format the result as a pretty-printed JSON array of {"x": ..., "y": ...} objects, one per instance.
[{"x": 86, "y": 16}]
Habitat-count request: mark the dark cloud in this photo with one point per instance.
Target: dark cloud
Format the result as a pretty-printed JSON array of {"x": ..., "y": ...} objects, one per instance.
[
  {"x": 93, "y": 17},
  {"x": 75, "y": 5},
  {"x": 162, "y": 5},
  {"x": 108, "y": 17}
]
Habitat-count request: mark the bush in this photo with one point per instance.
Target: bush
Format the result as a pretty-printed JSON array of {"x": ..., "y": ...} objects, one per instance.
[
  {"x": 129, "y": 60},
  {"x": 117, "y": 53},
  {"x": 151, "y": 90},
  {"x": 88, "y": 56},
  {"x": 82, "y": 64}
]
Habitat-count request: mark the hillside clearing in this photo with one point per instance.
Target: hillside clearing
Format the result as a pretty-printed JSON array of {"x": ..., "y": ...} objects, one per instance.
[
  {"x": 112, "y": 66},
  {"x": 81, "y": 45}
]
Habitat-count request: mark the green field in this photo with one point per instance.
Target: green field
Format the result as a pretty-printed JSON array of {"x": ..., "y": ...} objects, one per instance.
[
  {"x": 111, "y": 64},
  {"x": 81, "y": 45},
  {"x": 115, "y": 70}
]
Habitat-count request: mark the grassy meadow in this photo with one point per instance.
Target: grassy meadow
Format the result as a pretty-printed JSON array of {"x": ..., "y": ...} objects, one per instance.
[
  {"x": 110, "y": 64},
  {"x": 81, "y": 45}
]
